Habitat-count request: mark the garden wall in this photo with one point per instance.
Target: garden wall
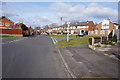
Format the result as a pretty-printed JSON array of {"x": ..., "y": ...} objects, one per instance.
[{"x": 11, "y": 31}]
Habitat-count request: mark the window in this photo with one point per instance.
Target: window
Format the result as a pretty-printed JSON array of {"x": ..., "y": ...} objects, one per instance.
[
  {"x": 74, "y": 27},
  {"x": 7, "y": 24},
  {"x": 1, "y": 24}
]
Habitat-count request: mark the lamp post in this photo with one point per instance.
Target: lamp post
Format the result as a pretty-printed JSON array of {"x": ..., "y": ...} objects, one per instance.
[{"x": 68, "y": 25}]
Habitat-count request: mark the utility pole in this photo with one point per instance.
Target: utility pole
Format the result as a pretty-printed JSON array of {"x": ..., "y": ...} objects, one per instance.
[
  {"x": 61, "y": 20},
  {"x": 68, "y": 25}
]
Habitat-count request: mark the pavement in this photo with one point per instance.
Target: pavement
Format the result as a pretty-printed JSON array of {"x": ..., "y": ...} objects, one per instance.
[
  {"x": 111, "y": 51},
  {"x": 31, "y": 57},
  {"x": 85, "y": 62}
]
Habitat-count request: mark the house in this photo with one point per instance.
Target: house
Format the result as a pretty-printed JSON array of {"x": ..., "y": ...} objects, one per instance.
[
  {"x": 17, "y": 26},
  {"x": 50, "y": 30},
  {"x": 7, "y": 27},
  {"x": 75, "y": 28},
  {"x": 5, "y": 23},
  {"x": 81, "y": 27},
  {"x": 37, "y": 30},
  {"x": 104, "y": 28}
]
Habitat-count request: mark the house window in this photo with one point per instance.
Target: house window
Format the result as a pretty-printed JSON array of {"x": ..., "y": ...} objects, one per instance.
[
  {"x": 1, "y": 24},
  {"x": 75, "y": 26},
  {"x": 7, "y": 24}
]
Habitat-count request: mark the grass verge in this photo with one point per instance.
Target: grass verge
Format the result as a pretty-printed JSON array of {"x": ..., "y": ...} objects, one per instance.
[
  {"x": 72, "y": 42},
  {"x": 95, "y": 36},
  {"x": 5, "y": 36},
  {"x": 62, "y": 35}
]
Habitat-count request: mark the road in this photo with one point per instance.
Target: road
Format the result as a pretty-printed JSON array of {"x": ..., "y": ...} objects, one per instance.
[{"x": 32, "y": 57}]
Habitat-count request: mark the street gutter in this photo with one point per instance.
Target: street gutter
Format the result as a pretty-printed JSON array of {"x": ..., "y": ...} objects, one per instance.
[
  {"x": 66, "y": 65},
  {"x": 70, "y": 74}
]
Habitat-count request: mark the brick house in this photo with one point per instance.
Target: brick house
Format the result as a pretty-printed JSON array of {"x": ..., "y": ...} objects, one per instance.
[
  {"x": 80, "y": 27},
  {"x": 104, "y": 28},
  {"x": 75, "y": 27},
  {"x": 7, "y": 27},
  {"x": 6, "y": 23},
  {"x": 37, "y": 30}
]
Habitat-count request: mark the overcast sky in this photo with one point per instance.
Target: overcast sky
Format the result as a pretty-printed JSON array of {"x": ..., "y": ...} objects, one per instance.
[{"x": 43, "y": 13}]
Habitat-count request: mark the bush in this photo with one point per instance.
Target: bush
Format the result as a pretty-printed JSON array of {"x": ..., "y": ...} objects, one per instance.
[
  {"x": 114, "y": 39},
  {"x": 110, "y": 42},
  {"x": 98, "y": 45},
  {"x": 104, "y": 40}
]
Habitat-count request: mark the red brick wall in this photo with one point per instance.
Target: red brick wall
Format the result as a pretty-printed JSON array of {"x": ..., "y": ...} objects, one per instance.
[
  {"x": 99, "y": 26},
  {"x": 112, "y": 26},
  {"x": 11, "y": 31},
  {"x": 91, "y": 26}
]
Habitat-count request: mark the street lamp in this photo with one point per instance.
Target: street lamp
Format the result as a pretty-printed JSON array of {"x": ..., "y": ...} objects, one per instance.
[{"x": 68, "y": 31}]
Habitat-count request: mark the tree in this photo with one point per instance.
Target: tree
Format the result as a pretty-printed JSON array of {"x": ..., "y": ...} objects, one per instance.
[{"x": 24, "y": 27}]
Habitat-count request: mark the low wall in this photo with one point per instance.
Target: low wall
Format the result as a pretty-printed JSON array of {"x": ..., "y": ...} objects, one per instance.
[{"x": 11, "y": 31}]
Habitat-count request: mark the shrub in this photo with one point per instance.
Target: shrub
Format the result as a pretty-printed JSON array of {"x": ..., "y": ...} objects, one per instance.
[
  {"x": 110, "y": 42},
  {"x": 114, "y": 39},
  {"x": 98, "y": 45},
  {"x": 104, "y": 40}
]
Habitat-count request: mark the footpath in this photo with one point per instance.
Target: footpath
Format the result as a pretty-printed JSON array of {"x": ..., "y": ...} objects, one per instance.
[
  {"x": 111, "y": 51},
  {"x": 83, "y": 62}
]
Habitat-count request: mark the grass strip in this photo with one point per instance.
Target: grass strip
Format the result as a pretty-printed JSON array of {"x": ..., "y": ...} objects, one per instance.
[{"x": 72, "y": 42}]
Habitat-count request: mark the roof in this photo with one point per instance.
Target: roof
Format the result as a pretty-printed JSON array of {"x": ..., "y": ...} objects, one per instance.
[
  {"x": 86, "y": 23},
  {"x": 2, "y": 17},
  {"x": 116, "y": 24},
  {"x": 6, "y": 18}
]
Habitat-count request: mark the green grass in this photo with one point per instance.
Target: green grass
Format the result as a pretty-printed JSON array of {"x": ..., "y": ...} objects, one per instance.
[
  {"x": 6, "y": 36},
  {"x": 72, "y": 42},
  {"x": 95, "y": 36},
  {"x": 62, "y": 35}
]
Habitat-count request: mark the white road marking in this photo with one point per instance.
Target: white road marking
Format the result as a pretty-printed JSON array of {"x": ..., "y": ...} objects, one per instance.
[
  {"x": 54, "y": 40},
  {"x": 89, "y": 71},
  {"x": 80, "y": 62},
  {"x": 13, "y": 41},
  {"x": 105, "y": 49}
]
